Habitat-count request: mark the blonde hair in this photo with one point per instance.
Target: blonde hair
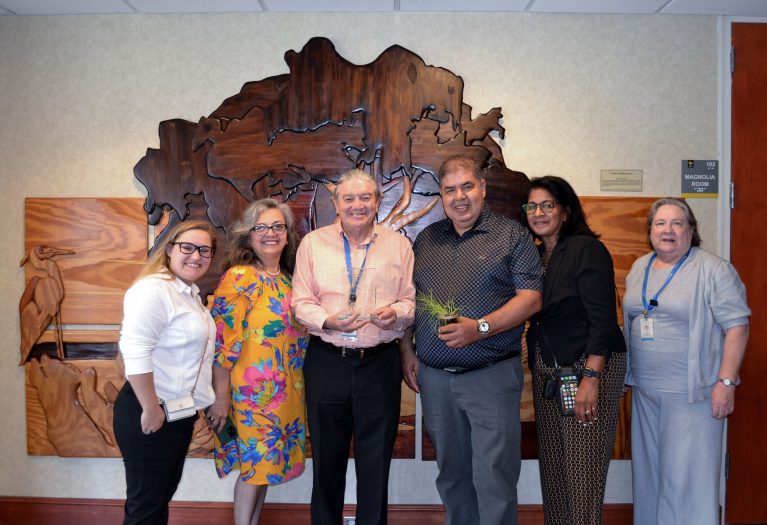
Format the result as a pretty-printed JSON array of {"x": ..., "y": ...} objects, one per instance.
[
  {"x": 159, "y": 261},
  {"x": 238, "y": 248}
]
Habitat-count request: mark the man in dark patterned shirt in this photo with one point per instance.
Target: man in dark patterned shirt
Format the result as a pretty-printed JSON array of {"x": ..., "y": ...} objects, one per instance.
[{"x": 469, "y": 372}]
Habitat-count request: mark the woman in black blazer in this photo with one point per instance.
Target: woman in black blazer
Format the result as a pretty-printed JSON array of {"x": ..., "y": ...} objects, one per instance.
[{"x": 577, "y": 328}]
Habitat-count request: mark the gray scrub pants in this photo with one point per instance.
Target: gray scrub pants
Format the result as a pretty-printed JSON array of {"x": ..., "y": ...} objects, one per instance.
[
  {"x": 676, "y": 451},
  {"x": 473, "y": 422}
]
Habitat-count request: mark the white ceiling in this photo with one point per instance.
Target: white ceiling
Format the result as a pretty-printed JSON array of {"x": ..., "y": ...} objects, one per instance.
[{"x": 740, "y": 8}]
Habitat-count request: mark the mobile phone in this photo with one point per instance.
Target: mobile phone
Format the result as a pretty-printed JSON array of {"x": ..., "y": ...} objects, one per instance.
[
  {"x": 568, "y": 387},
  {"x": 228, "y": 433}
]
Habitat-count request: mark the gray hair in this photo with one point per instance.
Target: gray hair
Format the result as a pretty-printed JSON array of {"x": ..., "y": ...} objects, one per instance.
[
  {"x": 357, "y": 174},
  {"x": 238, "y": 248},
  {"x": 461, "y": 163},
  {"x": 679, "y": 203}
]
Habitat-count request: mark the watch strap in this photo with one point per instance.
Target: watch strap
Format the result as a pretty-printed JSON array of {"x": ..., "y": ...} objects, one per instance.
[{"x": 590, "y": 372}]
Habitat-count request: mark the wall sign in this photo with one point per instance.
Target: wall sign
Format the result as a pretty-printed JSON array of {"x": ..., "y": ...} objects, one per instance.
[{"x": 700, "y": 179}]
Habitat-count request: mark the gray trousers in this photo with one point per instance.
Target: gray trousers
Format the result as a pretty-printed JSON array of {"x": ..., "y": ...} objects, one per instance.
[
  {"x": 676, "y": 450},
  {"x": 473, "y": 422}
]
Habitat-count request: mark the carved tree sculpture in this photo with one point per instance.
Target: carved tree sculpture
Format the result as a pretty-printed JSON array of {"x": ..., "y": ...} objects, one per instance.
[
  {"x": 40, "y": 304},
  {"x": 289, "y": 136}
]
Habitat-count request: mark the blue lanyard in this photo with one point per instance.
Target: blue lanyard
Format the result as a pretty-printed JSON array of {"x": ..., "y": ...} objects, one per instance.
[
  {"x": 654, "y": 301},
  {"x": 352, "y": 282}
]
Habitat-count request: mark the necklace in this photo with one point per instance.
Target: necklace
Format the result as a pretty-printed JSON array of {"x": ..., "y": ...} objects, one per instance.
[{"x": 278, "y": 272}]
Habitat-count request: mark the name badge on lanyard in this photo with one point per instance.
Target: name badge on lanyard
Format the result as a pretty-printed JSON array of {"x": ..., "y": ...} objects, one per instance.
[
  {"x": 353, "y": 282},
  {"x": 646, "y": 326}
]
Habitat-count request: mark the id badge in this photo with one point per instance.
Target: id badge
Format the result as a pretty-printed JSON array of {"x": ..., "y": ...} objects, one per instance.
[{"x": 646, "y": 329}]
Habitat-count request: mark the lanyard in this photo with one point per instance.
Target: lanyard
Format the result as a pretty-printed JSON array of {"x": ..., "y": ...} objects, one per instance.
[
  {"x": 352, "y": 282},
  {"x": 654, "y": 301}
]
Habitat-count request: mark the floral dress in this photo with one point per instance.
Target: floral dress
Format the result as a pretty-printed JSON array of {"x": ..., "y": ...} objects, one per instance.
[{"x": 263, "y": 345}]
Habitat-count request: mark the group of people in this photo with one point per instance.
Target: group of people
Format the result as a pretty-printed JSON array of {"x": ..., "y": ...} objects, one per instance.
[{"x": 313, "y": 340}]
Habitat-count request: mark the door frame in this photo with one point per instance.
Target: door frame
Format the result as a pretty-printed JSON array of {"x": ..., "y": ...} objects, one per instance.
[
  {"x": 725, "y": 127},
  {"x": 725, "y": 171}
]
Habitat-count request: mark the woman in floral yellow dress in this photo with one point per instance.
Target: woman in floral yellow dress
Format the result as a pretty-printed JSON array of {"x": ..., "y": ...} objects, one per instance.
[{"x": 260, "y": 348}]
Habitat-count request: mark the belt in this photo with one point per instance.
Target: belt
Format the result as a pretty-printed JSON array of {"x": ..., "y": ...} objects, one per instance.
[
  {"x": 348, "y": 351},
  {"x": 462, "y": 370}
]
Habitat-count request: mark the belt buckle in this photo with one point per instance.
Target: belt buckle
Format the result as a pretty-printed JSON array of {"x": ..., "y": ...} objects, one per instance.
[{"x": 352, "y": 351}]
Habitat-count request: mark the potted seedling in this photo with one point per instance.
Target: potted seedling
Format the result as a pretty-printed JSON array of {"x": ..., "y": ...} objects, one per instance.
[{"x": 445, "y": 312}]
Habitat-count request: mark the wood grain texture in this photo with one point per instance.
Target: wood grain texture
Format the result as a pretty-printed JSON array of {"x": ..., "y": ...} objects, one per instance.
[
  {"x": 69, "y": 408},
  {"x": 46, "y": 511},
  {"x": 109, "y": 238}
]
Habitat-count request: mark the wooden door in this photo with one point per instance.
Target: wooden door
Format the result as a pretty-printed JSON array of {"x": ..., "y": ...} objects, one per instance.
[{"x": 747, "y": 437}]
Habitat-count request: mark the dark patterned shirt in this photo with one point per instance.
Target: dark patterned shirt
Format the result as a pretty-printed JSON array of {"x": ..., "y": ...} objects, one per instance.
[{"x": 481, "y": 272}]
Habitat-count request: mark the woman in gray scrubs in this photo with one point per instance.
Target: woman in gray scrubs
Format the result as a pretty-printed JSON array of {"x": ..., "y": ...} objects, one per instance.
[{"x": 686, "y": 327}]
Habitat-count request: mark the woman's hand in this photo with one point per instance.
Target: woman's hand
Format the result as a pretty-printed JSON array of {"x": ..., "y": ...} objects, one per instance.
[
  {"x": 722, "y": 400},
  {"x": 152, "y": 419},
  {"x": 218, "y": 412},
  {"x": 586, "y": 400}
]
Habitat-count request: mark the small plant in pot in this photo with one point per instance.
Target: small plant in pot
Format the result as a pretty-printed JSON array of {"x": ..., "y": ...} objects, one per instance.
[{"x": 445, "y": 312}]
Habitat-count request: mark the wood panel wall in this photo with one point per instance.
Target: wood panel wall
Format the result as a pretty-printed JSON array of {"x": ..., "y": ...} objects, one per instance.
[{"x": 110, "y": 239}]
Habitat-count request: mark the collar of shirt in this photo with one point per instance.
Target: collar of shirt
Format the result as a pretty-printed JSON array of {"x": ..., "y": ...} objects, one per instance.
[
  {"x": 478, "y": 226},
  {"x": 180, "y": 285},
  {"x": 368, "y": 240}
]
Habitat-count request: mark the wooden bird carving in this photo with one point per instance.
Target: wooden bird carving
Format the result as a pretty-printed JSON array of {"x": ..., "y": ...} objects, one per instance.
[{"x": 40, "y": 304}]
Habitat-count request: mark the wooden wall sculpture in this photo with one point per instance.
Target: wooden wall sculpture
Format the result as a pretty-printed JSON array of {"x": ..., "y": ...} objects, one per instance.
[{"x": 288, "y": 136}]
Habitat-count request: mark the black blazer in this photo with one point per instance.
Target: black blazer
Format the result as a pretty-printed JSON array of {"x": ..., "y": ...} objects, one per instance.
[{"x": 579, "y": 309}]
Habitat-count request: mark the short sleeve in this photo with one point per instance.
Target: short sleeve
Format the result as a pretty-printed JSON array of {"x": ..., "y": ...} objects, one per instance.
[
  {"x": 526, "y": 268},
  {"x": 231, "y": 306}
]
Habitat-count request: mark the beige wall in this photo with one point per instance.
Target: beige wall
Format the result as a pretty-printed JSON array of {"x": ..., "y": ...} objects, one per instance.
[{"x": 81, "y": 98}]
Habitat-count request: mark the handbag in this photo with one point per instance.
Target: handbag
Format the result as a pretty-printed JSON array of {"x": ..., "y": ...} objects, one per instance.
[
  {"x": 180, "y": 408},
  {"x": 565, "y": 383}
]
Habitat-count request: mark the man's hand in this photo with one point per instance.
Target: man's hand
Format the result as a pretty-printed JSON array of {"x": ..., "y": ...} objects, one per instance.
[
  {"x": 409, "y": 365},
  {"x": 383, "y": 317},
  {"x": 461, "y": 333},
  {"x": 344, "y": 321}
]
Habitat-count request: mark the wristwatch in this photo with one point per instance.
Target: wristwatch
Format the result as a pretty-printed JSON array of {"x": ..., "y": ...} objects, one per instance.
[
  {"x": 726, "y": 381},
  {"x": 483, "y": 327},
  {"x": 590, "y": 372}
]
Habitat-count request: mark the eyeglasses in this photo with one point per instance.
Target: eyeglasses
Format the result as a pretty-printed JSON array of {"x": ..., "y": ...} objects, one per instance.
[
  {"x": 545, "y": 206},
  {"x": 261, "y": 229},
  {"x": 188, "y": 248}
]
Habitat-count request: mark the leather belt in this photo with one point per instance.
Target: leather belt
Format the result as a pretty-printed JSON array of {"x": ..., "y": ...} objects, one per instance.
[
  {"x": 462, "y": 370},
  {"x": 352, "y": 353}
]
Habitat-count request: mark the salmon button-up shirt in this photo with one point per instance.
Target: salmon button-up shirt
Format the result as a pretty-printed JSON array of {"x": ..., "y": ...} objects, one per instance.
[{"x": 321, "y": 286}]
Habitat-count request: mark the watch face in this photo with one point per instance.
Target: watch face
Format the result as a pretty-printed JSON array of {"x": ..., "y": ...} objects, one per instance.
[
  {"x": 484, "y": 327},
  {"x": 727, "y": 382}
]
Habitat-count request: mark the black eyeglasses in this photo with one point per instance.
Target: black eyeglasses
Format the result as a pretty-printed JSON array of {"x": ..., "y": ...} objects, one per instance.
[
  {"x": 261, "y": 229},
  {"x": 545, "y": 206},
  {"x": 188, "y": 248}
]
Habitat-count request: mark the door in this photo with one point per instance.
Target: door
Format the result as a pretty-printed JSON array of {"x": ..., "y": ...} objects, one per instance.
[{"x": 747, "y": 436}]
